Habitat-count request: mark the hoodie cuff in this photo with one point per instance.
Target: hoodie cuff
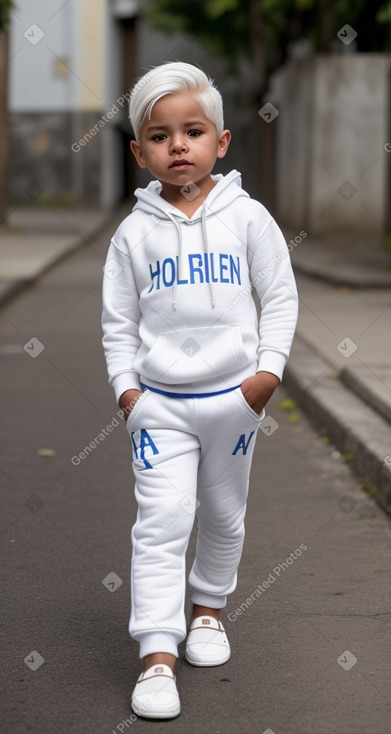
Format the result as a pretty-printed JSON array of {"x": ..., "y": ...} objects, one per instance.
[
  {"x": 273, "y": 362},
  {"x": 125, "y": 381}
]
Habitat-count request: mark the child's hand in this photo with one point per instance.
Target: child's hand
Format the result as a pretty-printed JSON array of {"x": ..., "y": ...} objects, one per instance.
[
  {"x": 258, "y": 389},
  {"x": 128, "y": 400}
]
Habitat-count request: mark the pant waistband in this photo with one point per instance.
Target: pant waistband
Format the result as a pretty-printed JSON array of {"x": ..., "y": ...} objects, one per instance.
[{"x": 188, "y": 394}]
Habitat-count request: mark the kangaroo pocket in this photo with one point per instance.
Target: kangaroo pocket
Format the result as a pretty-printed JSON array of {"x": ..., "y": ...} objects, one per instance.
[{"x": 188, "y": 355}]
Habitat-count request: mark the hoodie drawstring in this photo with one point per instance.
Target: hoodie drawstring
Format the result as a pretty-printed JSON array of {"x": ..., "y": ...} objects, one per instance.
[
  {"x": 206, "y": 250},
  {"x": 179, "y": 232}
]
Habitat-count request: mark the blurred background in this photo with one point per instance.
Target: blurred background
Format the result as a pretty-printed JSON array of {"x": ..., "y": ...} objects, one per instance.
[
  {"x": 306, "y": 86},
  {"x": 323, "y": 65}
]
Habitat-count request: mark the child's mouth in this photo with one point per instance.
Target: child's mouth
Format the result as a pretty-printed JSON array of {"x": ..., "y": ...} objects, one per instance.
[{"x": 180, "y": 164}]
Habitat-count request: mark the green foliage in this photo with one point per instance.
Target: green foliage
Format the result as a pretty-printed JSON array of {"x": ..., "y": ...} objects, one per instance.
[
  {"x": 221, "y": 26},
  {"x": 287, "y": 404},
  {"x": 370, "y": 489},
  {"x": 5, "y": 8},
  {"x": 348, "y": 456},
  {"x": 387, "y": 241},
  {"x": 383, "y": 15},
  {"x": 227, "y": 27}
]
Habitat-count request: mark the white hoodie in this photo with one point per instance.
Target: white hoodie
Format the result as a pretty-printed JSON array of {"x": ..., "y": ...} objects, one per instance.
[{"x": 178, "y": 311}]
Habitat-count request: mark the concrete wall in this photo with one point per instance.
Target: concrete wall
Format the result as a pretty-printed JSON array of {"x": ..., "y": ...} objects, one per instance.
[{"x": 331, "y": 132}]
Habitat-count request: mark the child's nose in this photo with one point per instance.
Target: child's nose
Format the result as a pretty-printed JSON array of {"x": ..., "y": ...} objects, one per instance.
[{"x": 178, "y": 143}]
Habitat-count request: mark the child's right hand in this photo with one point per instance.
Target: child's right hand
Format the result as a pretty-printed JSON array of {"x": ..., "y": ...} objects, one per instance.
[{"x": 128, "y": 400}]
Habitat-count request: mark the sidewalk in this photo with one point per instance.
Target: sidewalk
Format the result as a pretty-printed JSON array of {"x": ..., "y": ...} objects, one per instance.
[
  {"x": 340, "y": 365},
  {"x": 36, "y": 238},
  {"x": 308, "y": 622},
  {"x": 344, "y": 259}
]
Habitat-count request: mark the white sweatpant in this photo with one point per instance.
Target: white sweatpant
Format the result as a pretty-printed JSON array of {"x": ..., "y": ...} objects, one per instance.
[{"x": 190, "y": 456}]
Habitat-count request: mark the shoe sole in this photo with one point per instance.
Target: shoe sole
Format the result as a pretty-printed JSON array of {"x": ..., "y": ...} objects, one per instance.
[
  {"x": 156, "y": 715},
  {"x": 208, "y": 664}
]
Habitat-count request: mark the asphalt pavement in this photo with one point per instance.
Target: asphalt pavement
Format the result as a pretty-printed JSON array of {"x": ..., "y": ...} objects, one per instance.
[{"x": 309, "y": 620}]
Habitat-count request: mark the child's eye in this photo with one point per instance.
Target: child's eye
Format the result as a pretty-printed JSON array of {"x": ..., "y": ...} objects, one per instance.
[
  {"x": 194, "y": 133},
  {"x": 158, "y": 138}
]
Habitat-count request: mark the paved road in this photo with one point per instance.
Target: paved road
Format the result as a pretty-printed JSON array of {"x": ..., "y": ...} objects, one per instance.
[{"x": 308, "y": 622}]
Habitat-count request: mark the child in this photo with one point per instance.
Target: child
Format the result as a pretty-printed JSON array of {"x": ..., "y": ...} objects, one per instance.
[{"x": 190, "y": 366}]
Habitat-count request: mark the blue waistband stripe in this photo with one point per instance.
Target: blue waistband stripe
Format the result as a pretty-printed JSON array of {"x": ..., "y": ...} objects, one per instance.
[{"x": 188, "y": 394}]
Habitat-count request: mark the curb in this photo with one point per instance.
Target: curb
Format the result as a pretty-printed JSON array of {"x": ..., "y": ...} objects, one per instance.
[
  {"x": 332, "y": 276},
  {"x": 369, "y": 388},
  {"x": 10, "y": 289},
  {"x": 358, "y": 432}
]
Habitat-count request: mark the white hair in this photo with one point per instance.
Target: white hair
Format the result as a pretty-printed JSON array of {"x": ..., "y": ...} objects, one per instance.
[{"x": 173, "y": 78}]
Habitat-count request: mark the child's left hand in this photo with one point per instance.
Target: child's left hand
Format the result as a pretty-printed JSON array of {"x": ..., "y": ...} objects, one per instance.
[{"x": 258, "y": 389}]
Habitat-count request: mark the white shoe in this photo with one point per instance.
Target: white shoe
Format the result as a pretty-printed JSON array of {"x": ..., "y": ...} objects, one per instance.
[
  {"x": 207, "y": 643},
  {"x": 155, "y": 695}
]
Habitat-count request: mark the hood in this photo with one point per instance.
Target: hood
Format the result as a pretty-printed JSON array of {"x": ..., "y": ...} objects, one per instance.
[{"x": 227, "y": 189}]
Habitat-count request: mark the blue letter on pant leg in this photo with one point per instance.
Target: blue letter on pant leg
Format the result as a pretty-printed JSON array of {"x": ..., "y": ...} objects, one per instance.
[
  {"x": 241, "y": 444},
  {"x": 145, "y": 440}
]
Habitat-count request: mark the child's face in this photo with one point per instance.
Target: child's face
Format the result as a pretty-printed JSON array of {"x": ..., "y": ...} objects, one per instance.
[{"x": 179, "y": 144}]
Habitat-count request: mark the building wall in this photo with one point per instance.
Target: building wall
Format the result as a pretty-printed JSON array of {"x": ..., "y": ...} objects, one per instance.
[
  {"x": 332, "y": 128},
  {"x": 67, "y": 73},
  {"x": 65, "y": 78}
]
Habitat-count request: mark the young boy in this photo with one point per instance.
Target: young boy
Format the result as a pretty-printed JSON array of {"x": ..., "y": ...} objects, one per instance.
[{"x": 191, "y": 367}]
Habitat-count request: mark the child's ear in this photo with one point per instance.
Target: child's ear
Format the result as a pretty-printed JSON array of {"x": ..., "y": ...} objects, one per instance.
[
  {"x": 223, "y": 143},
  {"x": 138, "y": 153}
]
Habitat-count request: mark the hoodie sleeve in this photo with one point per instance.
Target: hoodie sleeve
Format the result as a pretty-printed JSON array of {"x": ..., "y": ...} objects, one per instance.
[
  {"x": 272, "y": 278},
  {"x": 120, "y": 321}
]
